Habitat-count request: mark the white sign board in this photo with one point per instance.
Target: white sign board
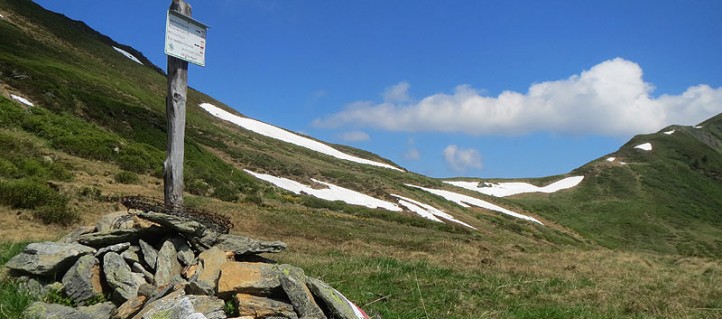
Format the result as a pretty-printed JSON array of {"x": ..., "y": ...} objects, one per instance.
[{"x": 185, "y": 38}]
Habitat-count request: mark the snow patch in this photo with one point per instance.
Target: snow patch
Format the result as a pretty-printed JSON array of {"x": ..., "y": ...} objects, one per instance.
[
  {"x": 127, "y": 55},
  {"x": 331, "y": 193},
  {"x": 21, "y": 100},
  {"x": 644, "y": 147},
  {"x": 428, "y": 211},
  {"x": 514, "y": 188},
  {"x": 669, "y": 132},
  {"x": 699, "y": 126},
  {"x": 611, "y": 159},
  {"x": 465, "y": 201},
  {"x": 286, "y": 136}
]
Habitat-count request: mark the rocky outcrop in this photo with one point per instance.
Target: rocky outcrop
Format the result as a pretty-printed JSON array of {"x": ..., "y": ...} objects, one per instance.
[
  {"x": 155, "y": 265},
  {"x": 82, "y": 282},
  {"x": 48, "y": 258}
]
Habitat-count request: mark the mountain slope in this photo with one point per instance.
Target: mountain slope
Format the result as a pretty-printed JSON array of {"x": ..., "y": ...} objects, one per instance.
[
  {"x": 96, "y": 132},
  {"x": 664, "y": 197}
]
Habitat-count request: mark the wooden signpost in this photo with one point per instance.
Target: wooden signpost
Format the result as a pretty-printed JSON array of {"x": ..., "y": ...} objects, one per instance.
[{"x": 185, "y": 42}]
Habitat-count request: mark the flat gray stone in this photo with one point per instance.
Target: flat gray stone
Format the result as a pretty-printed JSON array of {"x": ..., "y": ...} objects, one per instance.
[
  {"x": 72, "y": 237},
  {"x": 138, "y": 268},
  {"x": 293, "y": 282},
  {"x": 132, "y": 254},
  {"x": 173, "y": 306},
  {"x": 337, "y": 304},
  {"x": 120, "y": 278},
  {"x": 111, "y": 237},
  {"x": 150, "y": 255},
  {"x": 115, "y": 221},
  {"x": 103, "y": 310},
  {"x": 243, "y": 246},
  {"x": 167, "y": 266},
  {"x": 177, "y": 223},
  {"x": 82, "y": 282},
  {"x": 48, "y": 258},
  {"x": 185, "y": 254},
  {"x": 41, "y": 310},
  {"x": 210, "y": 306},
  {"x": 117, "y": 248}
]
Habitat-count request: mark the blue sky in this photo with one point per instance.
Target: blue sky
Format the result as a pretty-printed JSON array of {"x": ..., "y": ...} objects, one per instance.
[{"x": 449, "y": 88}]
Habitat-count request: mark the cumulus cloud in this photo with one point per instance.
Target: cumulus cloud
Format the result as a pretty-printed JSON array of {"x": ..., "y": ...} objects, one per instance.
[
  {"x": 611, "y": 98},
  {"x": 462, "y": 159},
  {"x": 355, "y": 136},
  {"x": 397, "y": 93}
]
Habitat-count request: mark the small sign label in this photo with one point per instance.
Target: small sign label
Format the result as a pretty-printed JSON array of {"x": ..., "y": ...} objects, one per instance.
[{"x": 185, "y": 38}]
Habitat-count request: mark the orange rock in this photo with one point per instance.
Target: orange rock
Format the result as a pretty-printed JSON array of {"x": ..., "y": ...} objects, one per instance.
[{"x": 251, "y": 278}]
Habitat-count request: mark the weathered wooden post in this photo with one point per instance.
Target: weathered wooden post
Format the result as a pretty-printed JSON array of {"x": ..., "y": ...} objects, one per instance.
[
  {"x": 185, "y": 42},
  {"x": 175, "y": 110}
]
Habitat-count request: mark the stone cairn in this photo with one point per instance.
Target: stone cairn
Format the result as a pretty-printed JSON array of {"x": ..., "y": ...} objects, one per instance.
[{"x": 151, "y": 265}]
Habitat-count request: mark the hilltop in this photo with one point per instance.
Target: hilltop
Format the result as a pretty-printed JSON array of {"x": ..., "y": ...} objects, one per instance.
[{"x": 82, "y": 124}]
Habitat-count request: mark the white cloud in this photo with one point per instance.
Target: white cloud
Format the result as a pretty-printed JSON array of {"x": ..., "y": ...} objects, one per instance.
[
  {"x": 355, "y": 136},
  {"x": 460, "y": 160},
  {"x": 611, "y": 98},
  {"x": 397, "y": 93}
]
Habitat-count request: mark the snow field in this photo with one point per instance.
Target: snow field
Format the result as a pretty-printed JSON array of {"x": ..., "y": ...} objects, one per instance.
[
  {"x": 514, "y": 188},
  {"x": 21, "y": 100},
  {"x": 669, "y": 132},
  {"x": 466, "y": 201},
  {"x": 611, "y": 159},
  {"x": 428, "y": 211},
  {"x": 331, "y": 193},
  {"x": 286, "y": 136},
  {"x": 128, "y": 55},
  {"x": 645, "y": 147}
]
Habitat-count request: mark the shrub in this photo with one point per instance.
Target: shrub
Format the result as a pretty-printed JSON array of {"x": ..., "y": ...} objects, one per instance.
[
  {"x": 57, "y": 212},
  {"x": 125, "y": 177},
  {"x": 198, "y": 187},
  {"x": 26, "y": 193},
  {"x": 226, "y": 193},
  {"x": 90, "y": 192}
]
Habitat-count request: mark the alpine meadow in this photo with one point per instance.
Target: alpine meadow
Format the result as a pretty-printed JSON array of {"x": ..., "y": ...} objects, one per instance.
[{"x": 636, "y": 233}]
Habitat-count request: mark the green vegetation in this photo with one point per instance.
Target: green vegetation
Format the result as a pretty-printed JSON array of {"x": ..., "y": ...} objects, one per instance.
[
  {"x": 125, "y": 177},
  {"x": 641, "y": 240}
]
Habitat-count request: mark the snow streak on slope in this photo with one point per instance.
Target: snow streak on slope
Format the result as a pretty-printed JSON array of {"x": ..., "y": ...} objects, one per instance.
[
  {"x": 286, "y": 136},
  {"x": 644, "y": 147},
  {"x": 669, "y": 132},
  {"x": 465, "y": 201},
  {"x": 128, "y": 55},
  {"x": 21, "y": 100},
  {"x": 428, "y": 211},
  {"x": 331, "y": 193},
  {"x": 508, "y": 189}
]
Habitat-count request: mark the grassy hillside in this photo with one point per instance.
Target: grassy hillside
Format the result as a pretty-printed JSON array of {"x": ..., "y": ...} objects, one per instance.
[
  {"x": 97, "y": 132},
  {"x": 667, "y": 200}
]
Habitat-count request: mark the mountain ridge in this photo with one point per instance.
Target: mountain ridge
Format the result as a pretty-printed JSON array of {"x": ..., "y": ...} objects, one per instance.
[{"x": 97, "y": 132}]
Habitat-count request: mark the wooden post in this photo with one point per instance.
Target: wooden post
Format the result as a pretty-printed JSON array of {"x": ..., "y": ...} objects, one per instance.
[{"x": 175, "y": 108}]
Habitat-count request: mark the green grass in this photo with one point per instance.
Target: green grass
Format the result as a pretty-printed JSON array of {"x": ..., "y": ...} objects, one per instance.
[{"x": 14, "y": 300}]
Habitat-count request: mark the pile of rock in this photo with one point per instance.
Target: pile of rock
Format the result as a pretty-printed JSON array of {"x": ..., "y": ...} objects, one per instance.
[{"x": 152, "y": 265}]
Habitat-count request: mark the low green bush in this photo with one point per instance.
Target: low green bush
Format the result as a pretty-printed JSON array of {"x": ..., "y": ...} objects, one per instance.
[
  {"x": 27, "y": 193},
  {"x": 125, "y": 177},
  {"x": 57, "y": 212}
]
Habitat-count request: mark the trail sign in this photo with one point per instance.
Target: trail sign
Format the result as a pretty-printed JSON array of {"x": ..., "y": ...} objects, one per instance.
[{"x": 185, "y": 38}]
